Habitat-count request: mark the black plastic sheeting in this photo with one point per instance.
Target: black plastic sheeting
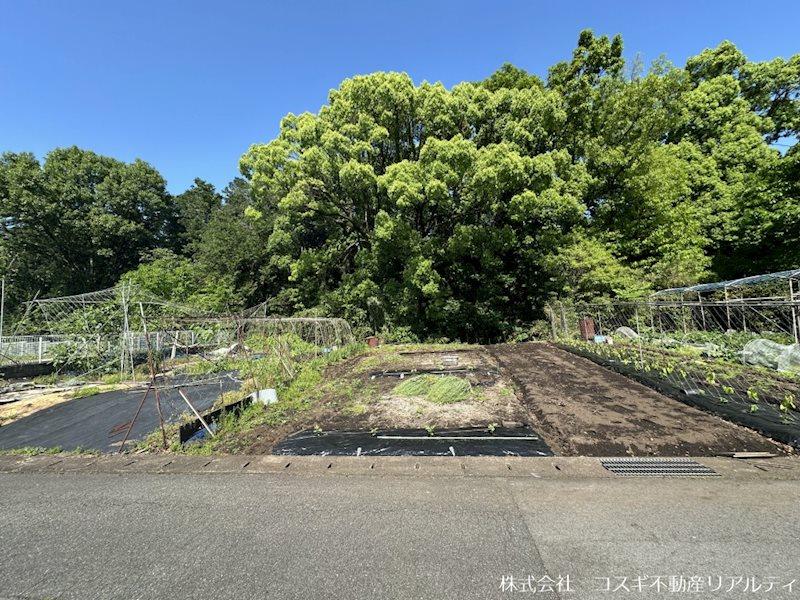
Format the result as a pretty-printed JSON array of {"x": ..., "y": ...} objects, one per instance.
[
  {"x": 521, "y": 441},
  {"x": 770, "y": 425},
  {"x": 194, "y": 431},
  {"x": 26, "y": 370},
  {"x": 99, "y": 422}
]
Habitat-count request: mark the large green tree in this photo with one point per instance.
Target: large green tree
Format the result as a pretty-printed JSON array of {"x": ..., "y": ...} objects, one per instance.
[
  {"x": 459, "y": 212},
  {"x": 447, "y": 212},
  {"x": 78, "y": 220},
  {"x": 195, "y": 207}
]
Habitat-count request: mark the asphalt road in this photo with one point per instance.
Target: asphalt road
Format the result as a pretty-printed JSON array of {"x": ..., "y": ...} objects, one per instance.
[
  {"x": 99, "y": 422},
  {"x": 346, "y": 537}
]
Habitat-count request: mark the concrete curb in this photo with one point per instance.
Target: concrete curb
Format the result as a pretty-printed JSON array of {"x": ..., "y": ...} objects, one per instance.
[{"x": 783, "y": 468}]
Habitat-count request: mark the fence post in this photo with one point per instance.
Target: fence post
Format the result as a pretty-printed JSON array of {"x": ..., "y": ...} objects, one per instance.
[
  {"x": 683, "y": 316},
  {"x": 728, "y": 305},
  {"x": 638, "y": 335},
  {"x": 552, "y": 322},
  {"x": 794, "y": 312},
  {"x": 702, "y": 311},
  {"x": 40, "y": 349},
  {"x": 744, "y": 316}
]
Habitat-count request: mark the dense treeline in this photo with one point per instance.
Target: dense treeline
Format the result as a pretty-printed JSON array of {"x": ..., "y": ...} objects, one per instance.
[{"x": 446, "y": 212}]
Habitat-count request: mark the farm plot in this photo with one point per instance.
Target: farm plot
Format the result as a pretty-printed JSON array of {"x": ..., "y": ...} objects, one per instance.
[
  {"x": 581, "y": 408},
  {"x": 738, "y": 358},
  {"x": 577, "y": 407},
  {"x": 388, "y": 389}
]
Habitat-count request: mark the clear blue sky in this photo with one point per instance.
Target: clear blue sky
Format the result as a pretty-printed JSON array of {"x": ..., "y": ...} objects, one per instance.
[{"x": 188, "y": 86}]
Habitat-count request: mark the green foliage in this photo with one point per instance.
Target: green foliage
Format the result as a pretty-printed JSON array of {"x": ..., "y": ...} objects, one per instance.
[
  {"x": 81, "y": 357},
  {"x": 439, "y": 390},
  {"x": 446, "y": 390},
  {"x": 459, "y": 212},
  {"x": 171, "y": 277},
  {"x": 85, "y": 392},
  {"x": 415, "y": 386},
  {"x": 78, "y": 220},
  {"x": 195, "y": 207},
  {"x": 420, "y": 212},
  {"x": 31, "y": 451}
]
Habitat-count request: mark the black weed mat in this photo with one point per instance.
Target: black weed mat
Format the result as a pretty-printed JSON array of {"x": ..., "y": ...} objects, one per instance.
[
  {"x": 99, "y": 422},
  {"x": 521, "y": 441}
]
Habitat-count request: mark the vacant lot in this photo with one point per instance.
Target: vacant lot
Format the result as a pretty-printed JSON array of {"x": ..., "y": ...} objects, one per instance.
[
  {"x": 399, "y": 388},
  {"x": 578, "y": 407}
]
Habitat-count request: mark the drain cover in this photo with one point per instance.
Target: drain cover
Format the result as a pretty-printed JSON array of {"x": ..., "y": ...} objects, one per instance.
[{"x": 657, "y": 467}]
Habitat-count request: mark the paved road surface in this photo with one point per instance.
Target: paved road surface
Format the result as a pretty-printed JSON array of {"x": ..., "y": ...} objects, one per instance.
[
  {"x": 98, "y": 422},
  {"x": 272, "y": 535}
]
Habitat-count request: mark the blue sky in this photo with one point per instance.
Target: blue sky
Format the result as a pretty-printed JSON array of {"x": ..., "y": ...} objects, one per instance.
[{"x": 188, "y": 86}]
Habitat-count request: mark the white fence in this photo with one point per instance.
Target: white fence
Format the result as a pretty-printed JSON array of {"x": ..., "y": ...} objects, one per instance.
[
  {"x": 39, "y": 348},
  {"x": 29, "y": 348}
]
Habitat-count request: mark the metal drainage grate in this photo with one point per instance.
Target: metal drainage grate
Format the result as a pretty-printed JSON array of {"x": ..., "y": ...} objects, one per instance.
[{"x": 657, "y": 467}]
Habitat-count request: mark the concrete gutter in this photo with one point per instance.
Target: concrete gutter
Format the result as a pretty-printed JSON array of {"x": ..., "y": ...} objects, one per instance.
[{"x": 780, "y": 469}]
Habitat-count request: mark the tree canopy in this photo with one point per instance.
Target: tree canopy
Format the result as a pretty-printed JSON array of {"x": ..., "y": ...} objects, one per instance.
[{"x": 450, "y": 212}]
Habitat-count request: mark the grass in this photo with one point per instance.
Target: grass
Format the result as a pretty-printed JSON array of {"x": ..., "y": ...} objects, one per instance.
[
  {"x": 84, "y": 392},
  {"x": 44, "y": 451},
  {"x": 439, "y": 390},
  {"x": 93, "y": 390},
  {"x": 51, "y": 379},
  {"x": 415, "y": 386},
  {"x": 31, "y": 451},
  {"x": 299, "y": 384}
]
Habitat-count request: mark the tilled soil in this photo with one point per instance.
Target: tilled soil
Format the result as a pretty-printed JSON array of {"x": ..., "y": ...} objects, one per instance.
[
  {"x": 384, "y": 410},
  {"x": 583, "y": 409}
]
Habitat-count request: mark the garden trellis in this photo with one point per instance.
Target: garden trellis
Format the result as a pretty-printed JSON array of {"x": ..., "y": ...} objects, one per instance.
[
  {"x": 110, "y": 326},
  {"x": 731, "y": 347},
  {"x": 728, "y": 303}
]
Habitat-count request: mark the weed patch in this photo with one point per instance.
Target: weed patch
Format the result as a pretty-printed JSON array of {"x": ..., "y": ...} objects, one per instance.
[{"x": 439, "y": 390}]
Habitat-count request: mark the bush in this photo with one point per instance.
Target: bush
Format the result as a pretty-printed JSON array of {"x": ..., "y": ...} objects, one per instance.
[
  {"x": 81, "y": 357},
  {"x": 400, "y": 335}
]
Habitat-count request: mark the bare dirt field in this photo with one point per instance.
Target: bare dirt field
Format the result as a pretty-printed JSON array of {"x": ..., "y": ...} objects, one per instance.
[{"x": 583, "y": 409}]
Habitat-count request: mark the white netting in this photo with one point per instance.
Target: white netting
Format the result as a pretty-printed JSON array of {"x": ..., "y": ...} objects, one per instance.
[
  {"x": 789, "y": 360},
  {"x": 107, "y": 327},
  {"x": 764, "y": 353}
]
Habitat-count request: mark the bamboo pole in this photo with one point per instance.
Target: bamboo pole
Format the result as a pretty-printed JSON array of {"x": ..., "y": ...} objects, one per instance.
[
  {"x": 135, "y": 416},
  {"x": 744, "y": 316},
  {"x": 727, "y": 308},
  {"x": 152, "y": 368},
  {"x": 795, "y": 326}
]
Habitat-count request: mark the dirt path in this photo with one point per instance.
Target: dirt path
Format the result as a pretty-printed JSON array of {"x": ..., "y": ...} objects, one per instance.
[{"x": 580, "y": 408}]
